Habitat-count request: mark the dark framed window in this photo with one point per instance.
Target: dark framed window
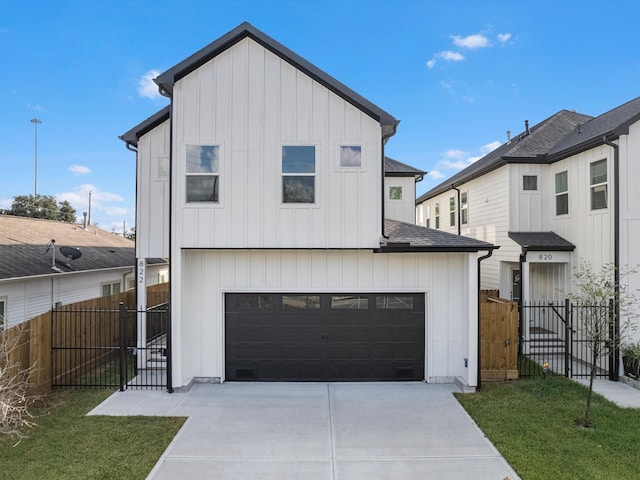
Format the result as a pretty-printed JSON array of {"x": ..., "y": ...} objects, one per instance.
[
  {"x": 349, "y": 302},
  {"x": 464, "y": 208},
  {"x": 395, "y": 302},
  {"x": 452, "y": 211},
  {"x": 562, "y": 193},
  {"x": 530, "y": 182},
  {"x": 437, "y": 215},
  {"x": 203, "y": 173},
  {"x": 301, "y": 301},
  {"x": 395, "y": 193},
  {"x": 598, "y": 184},
  {"x": 256, "y": 302},
  {"x": 298, "y": 174}
]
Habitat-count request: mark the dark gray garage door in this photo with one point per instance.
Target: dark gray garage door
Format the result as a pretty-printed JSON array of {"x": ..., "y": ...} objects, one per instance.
[{"x": 324, "y": 337}]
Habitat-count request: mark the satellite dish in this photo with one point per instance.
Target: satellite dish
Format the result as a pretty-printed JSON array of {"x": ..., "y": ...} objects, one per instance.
[{"x": 72, "y": 253}]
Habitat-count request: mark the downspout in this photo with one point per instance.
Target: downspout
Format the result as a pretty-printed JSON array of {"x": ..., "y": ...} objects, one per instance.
[
  {"x": 382, "y": 142},
  {"x": 479, "y": 346},
  {"x": 165, "y": 93},
  {"x": 131, "y": 147},
  {"x": 616, "y": 245},
  {"x": 522, "y": 260},
  {"x": 457, "y": 207}
]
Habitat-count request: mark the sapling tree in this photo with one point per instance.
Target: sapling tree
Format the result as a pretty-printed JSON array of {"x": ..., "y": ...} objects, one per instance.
[
  {"x": 598, "y": 301},
  {"x": 15, "y": 399}
]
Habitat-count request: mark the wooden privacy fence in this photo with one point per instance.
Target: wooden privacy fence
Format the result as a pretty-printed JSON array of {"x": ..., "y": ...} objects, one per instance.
[
  {"x": 498, "y": 338},
  {"x": 35, "y": 345}
]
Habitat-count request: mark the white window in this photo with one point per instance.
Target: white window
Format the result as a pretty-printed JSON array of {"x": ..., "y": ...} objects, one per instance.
[
  {"x": 203, "y": 173},
  {"x": 163, "y": 167},
  {"x": 530, "y": 182},
  {"x": 110, "y": 289},
  {"x": 3, "y": 313},
  {"x": 452, "y": 211},
  {"x": 298, "y": 174},
  {"x": 395, "y": 193},
  {"x": 598, "y": 182},
  {"x": 163, "y": 276},
  {"x": 562, "y": 193},
  {"x": 437, "y": 215},
  {"x": 428, "y": 216},
  {"x": 350, "y": 156},
  {"x": 464, "y": 208}
]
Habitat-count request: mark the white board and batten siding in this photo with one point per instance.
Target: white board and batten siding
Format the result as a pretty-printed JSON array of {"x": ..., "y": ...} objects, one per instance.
[
  {"x": 251, "y": 103},
  {"x": 402, "y": 209},
  {"x": 152, "y": 209},
  {"x": 447, "y": 280}
]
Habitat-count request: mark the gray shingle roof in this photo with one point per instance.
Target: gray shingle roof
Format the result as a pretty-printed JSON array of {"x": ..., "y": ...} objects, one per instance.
[
  {"x": 132, "y": 136},
  {"x": 612, "y": 124},
  {"x": 394, "y": 168},
  {"x": 167, "y": 79},
  {"x": 541, "y": 241},
  {"x": 407, "y": 237},
  {"x": 23, "y": 245},
  {"x": 522, "y": 148}
]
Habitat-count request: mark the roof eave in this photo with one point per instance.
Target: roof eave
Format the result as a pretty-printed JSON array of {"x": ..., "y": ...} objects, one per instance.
[{"x": 433, "y": 249}]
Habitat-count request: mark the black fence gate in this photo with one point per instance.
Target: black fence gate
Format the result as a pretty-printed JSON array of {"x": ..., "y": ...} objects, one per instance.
[
  {"x": 561, "y": 337},
  {"x": 111, "y": 348}
]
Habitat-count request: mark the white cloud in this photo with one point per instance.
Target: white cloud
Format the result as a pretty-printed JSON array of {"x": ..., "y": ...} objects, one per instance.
[
  {"x": 489, "y": 147},
  {"x": 146, "y": 86},
  {"x": 102, "y": 203},
  {"x": 79, "y": 169},
  {"x": 435, "y": 174},
  {"x": 446, "y": 55},
  {"x": 454, "y": 153},
  {"x": 472, "y": 41},
  {"x": 6, "y": 202},
  {"x": 35, "y": 107},
  {"x": 504, "y": 37}
]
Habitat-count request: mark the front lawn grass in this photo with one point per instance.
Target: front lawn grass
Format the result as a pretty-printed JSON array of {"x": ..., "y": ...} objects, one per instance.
[
  {"x": 531, "y": 422},
  {"x": 67, "y": 444}
]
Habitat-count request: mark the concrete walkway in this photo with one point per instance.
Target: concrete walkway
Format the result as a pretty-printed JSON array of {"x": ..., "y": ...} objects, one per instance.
[
  {"x": 332, "y": 431},
  {"x": 620, "y": 393}
]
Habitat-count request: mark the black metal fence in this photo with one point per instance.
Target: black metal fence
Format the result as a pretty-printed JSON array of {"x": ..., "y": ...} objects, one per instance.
[
  {"x": 107, "y": 348},
  {"x": 568, "y": 339}
]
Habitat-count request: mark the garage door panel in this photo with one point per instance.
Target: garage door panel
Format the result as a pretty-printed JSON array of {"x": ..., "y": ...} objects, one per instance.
[{"x": 320, "y": 337}]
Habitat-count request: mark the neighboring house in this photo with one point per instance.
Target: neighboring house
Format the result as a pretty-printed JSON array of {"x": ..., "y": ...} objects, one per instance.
[
  {"x": 38, "y": 270},
  {"x": 264, "y": 182},
  {"x": 562, "y": 192}
]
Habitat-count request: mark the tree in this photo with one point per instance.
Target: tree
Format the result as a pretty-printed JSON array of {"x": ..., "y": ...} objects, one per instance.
[
  {"x": 42, "y": 206},
  {"x": 15, "y": 400},
  {"x": 598, "y": 300}
]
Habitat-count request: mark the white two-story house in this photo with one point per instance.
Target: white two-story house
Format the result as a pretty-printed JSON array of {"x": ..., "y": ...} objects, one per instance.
[
  {"x": 557, "y": 194},
  {"x": 293, "y": 250}
]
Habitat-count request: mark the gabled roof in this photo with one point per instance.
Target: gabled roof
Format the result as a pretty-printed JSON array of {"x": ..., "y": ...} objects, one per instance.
[
  {"x": 611, "y": 124},
  {"x": 394, "y": 168},
  {"x": 23, "y": 248},
  {"x": 523, "y": 148},
  {"x": 541, "y": 241},
  {"x": 167, "y": 80},
  {"x": 132, "y": 136},
  {"x": 407, "y": 237}
]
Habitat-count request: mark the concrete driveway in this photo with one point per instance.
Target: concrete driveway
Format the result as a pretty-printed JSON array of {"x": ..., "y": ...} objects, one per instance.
[{"x": 327, "y": 431}]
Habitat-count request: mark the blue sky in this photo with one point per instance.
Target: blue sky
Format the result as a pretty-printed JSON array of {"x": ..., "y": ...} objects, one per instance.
[{"x": 458, "y": 74}]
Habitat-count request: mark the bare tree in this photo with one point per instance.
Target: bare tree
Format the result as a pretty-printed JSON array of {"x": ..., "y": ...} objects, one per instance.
[
  {"x": 15, "y": 398},
  {"x": 599, "y": 301}
]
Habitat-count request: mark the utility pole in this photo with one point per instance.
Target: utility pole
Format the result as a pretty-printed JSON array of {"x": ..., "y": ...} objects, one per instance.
[
  {"x": 89, "y": 222},
  {"x": 35, "y": 122}
]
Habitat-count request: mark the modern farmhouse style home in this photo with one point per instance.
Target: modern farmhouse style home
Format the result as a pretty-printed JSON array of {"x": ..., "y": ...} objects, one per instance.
[{"x": 292, "y": 255}]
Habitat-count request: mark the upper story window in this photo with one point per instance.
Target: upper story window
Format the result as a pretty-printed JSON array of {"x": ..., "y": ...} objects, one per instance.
[
  {"x": 298, "y": 174},
  {"x": 395, "y": 193},
  {"x": 427, "y": 214},
  {"x": 350, "y": 156},
  {"x": 437, "y": 215},
  {"x": 203, "y": 173},
  {"x": 452, "y": 211},
  {"x": 3, "y": 313},
  {"x": 163, "y": 167},
  {"x": 530, "y": 182},
  {"x": 562, "y": 193},
  {"x": 464, "y": 208},
  {"x": 598, "y": 183}
]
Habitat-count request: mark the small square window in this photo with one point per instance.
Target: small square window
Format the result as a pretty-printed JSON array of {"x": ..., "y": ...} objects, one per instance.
[
  {"x": 395, "y": 193},
  {"x": 529, "y": 182},
  {"x": 350, "y": 156}
]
